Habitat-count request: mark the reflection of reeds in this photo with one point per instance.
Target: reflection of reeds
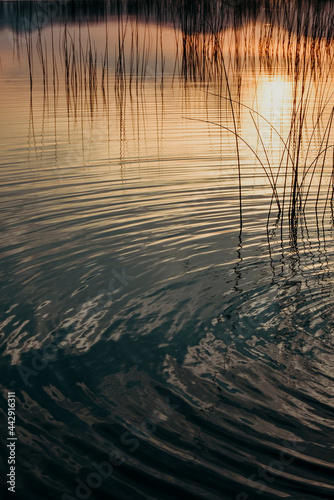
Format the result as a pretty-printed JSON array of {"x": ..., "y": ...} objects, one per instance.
[
  {"x": 306, "y": 54},
  {"x": 80, "y": 64},
  {"x": 28, "y": 40},
  {"x": 211, "y": 48}
]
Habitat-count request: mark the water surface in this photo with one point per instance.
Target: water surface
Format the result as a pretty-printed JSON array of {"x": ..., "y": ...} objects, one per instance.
[{"x": 140, "y": 315}]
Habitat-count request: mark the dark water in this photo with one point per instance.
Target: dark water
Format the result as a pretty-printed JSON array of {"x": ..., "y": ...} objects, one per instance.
[{"x": 156, "y": 350}]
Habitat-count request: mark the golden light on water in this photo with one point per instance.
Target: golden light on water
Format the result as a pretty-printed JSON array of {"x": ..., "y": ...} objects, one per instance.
[{"x": 275, "y": 98}]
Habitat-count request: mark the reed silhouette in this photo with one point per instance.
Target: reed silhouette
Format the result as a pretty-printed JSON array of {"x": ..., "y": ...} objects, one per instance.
[{"x": 215, "y": 44}]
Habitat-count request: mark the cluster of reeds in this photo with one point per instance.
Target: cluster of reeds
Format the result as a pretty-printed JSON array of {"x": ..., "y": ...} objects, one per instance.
[
  {"x": 263, "y": 32},
  {"x": 215, "y": 42},
  {"x": 308, "y": 49},
  {"x": 84, "y": 72},
  {"x": 297, "y": 181}
]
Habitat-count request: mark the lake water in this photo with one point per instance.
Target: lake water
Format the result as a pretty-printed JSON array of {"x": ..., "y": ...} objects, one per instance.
[{"x": 165, "y": 340}]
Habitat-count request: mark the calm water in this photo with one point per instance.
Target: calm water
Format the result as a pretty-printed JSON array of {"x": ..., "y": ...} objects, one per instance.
[{"x": 149, "y": 340}]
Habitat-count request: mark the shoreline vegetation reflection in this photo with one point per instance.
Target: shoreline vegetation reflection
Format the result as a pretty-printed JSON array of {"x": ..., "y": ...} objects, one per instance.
[{"x": 215, "y": 42}]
